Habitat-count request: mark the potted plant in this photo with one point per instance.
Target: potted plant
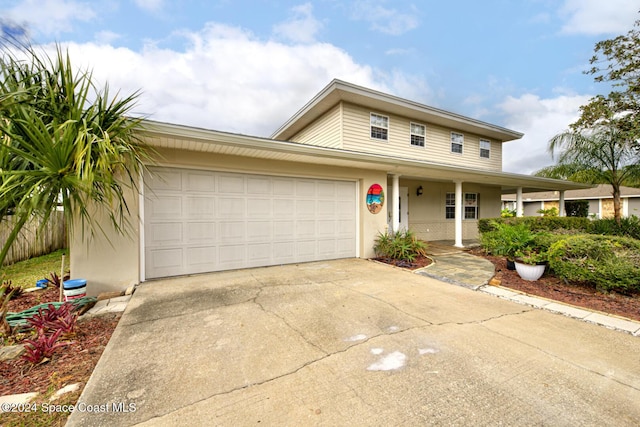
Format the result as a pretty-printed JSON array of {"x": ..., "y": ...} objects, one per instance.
[
  {"x": 508, "y": 239},
  {"x": 531, "y": 263}
]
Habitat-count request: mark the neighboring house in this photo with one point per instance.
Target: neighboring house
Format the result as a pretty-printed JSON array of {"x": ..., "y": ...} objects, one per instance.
[
  {"x": 350, "y": 164},
  {"x": 600, "y": 201}
]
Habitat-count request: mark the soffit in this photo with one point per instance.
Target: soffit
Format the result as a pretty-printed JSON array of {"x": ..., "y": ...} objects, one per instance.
[{"x": 202, "y": 140}]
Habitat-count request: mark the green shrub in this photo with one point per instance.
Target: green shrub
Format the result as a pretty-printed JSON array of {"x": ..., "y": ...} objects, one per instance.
[
  {"x": 629, "y": 227},
  {"x": 506, "y": 239},
  {"x": 539, "y": 223},
  {"x": 402, "y": 245},
  {"x": 610, "y": 263}
]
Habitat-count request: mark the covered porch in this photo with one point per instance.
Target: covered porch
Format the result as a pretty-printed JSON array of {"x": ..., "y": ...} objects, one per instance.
[{"x": 445, "y": 203}]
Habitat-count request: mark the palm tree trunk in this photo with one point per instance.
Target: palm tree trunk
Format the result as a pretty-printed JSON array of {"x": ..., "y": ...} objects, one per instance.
[{"x": 616, "y": 204}]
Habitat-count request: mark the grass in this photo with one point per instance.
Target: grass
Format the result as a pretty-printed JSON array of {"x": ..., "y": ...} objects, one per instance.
[{"x": 26, "y": 273}]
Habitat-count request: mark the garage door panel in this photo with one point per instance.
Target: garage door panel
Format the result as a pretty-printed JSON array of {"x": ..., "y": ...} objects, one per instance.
[
  {"x": 283, "y": 252},
  {"x": 305, "y": 229},
  {"x": 198, "y": 221},
  {"x": 260, "y": 231},
  {"x": 326, "y": 247},
  {"x": 165, "y": 261},
  {"x": 231, "y": 231},
  {"x": 199, "y": 181},
  {"x": 283, "y": 208},
  {"x": 283, "y": 187},
  {"x": 326, "y": 228},
  {"x": 326, "y": 190},
  {"x": 198, "y": 232},
  {"x": 164, "y": 179},
  {"x": 201, "y": 257},
  {"x": 259, "y": 208},
  {"x": 305, "y": 208},
  {"x": 284, "y": 230},
  {"x": 231, "y": 207},
  {"x": 306, "y": 188},
  {"x": 200, "y": 206},
  {"x": 162, "y": 207},
  {"x": 164, "y": 233},
  {"x": 231, "y": 184},
  {"x": 306, "y": 250},
  {"x": 259, "y": 254},
  {"x": 231, "y": 256},
  {"x": 258, "y": 186}
]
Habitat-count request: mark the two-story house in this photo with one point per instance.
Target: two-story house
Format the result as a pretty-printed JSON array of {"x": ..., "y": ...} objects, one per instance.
[{"x": 350, "y": 164}]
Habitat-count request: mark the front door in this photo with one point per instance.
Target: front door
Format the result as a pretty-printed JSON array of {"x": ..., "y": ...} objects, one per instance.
[
  {"x": 404, "y": 208},
  {"x": 403, "y": 202}
]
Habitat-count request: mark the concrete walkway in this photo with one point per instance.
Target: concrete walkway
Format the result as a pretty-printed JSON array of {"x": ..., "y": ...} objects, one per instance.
[
  {"x": 352, "y": 342},
  {"x": 454, "y": 265}
]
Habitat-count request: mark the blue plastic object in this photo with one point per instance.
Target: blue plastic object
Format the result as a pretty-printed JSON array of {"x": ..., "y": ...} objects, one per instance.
[
  {"x": 42, "y": 283},
  {"x": 74, "y": 284}
]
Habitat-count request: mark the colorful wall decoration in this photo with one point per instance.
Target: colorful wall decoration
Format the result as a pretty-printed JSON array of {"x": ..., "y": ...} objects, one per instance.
[{"x": 375, "y": 198}]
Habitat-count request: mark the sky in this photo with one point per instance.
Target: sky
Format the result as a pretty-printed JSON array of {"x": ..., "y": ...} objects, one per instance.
[{"x": 247, "y": 66}]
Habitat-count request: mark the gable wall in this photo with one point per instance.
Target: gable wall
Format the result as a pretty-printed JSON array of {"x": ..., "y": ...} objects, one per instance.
[
  {"x": 356, "y": 137},
  {"x": 324, "y": 132}
]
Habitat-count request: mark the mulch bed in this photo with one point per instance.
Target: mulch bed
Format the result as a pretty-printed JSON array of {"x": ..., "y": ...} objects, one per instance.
[
  {"x": 73, "y": 363},
  {"x": 417, "y": 263},
  {"x": 554, "y": 288}
]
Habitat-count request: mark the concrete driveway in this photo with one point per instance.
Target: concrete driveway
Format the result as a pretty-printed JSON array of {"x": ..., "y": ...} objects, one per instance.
[{"x": 353, "y": 342}]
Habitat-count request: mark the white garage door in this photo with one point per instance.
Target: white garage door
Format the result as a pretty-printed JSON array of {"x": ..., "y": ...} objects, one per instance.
[{"x": 198, "y": 221}]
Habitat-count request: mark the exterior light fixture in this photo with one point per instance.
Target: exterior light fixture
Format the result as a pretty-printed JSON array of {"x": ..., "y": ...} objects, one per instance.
[{"x": 419, "y": 191}]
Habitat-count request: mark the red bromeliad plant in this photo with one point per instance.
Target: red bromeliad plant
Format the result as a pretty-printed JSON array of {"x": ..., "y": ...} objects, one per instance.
[
  {"x": 52, "y": 319},
  {"x": 42, "y": 348}
]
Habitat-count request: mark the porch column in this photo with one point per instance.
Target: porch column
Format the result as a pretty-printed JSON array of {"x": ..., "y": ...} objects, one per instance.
[
  {"x": 395, "y": 203},
  {"x": 519, "y": 204},
  {"x": 561, "y": 211},
  {"x": 459, "y": 213}
]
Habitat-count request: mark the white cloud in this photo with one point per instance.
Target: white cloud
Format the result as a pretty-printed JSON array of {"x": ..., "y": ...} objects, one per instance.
[
  {"x": 301, "y": 28},
  {"x": 539, "y": 120},
  {"x": 150, "y": 5},
  {"x": 596, "y": 17},
  {"x": 49, "y": 17},
  {"x": 388, "y": 21},
  {"x": 225, "y": 78},
  {"x": 106, "y": 37}
]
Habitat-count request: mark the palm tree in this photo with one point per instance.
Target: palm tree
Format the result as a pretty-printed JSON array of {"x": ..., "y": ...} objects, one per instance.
[
  {"x": 600, "y": 155},
  {"x": 63, "y": 141}
]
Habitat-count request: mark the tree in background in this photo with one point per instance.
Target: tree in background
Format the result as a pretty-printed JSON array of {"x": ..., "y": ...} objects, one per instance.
[
  {"x": 63, "y": 141},
  {"x": 601, "y": 147}
]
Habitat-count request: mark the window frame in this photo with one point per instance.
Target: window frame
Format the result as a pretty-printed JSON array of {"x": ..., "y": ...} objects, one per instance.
[
  {"x": 474, "y": 205},
  {"x": 450, "y": 203},
  {"x": 412, "y": 134},
  {"x": 450, "y": 206},
  {"x": 372, "y": 126},
  {"x": 488, "y": 150},
  {"x": 460, "y": 143}
]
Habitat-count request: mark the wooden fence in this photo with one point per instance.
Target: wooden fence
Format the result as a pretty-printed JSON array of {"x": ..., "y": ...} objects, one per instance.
[{"x": 32, "y": 240}]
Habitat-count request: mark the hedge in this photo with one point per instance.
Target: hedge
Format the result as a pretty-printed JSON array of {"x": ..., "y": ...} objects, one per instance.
[
  {"x": 540, "y": 223},
  {"x": 611, "y": 263}
]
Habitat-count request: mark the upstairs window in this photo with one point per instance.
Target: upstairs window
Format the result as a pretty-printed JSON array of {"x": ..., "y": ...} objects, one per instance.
[
  {"x": 485, "y": 149},
  {"x": 379, "y": 127},
  {"x": 457, "y": 141},
  {"x": 418, "y": 133}
]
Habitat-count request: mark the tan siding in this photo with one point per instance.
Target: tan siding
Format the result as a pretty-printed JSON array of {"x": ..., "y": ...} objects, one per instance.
[
  {"x": 324, "y": 132},
  {"x": 356, "y": 133},
  {"x": 427, "y": 212}
]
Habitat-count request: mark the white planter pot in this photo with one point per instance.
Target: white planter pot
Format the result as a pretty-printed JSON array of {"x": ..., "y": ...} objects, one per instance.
[{"x": 530, "y": 272}]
